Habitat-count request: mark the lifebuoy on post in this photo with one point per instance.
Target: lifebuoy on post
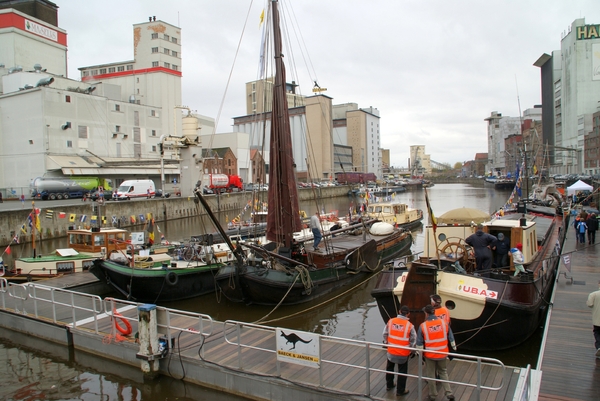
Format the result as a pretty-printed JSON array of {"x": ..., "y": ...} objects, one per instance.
[
  {"x": 172, "y": 278},
  {"x": 123, "y": 330}
]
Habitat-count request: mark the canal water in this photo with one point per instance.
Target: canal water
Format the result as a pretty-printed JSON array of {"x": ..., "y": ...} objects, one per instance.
[{"x": 349, "y": 314}]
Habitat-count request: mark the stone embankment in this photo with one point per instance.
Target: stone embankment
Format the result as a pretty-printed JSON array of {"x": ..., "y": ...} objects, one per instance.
[{"x": 162, "y": 209}]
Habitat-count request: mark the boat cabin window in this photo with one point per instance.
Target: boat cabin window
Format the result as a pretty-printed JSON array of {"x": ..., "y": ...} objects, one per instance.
[
  {"x": 399, "y": 209},
  {"x": 387, "y": 209},
  {"x": 377, "y": 209},
  {"x": 99, "y": 240},
  {"x": 79, "y": 239}
]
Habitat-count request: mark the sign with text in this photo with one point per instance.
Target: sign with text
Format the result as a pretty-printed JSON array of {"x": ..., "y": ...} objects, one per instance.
[{"x": 298, "y": 347}]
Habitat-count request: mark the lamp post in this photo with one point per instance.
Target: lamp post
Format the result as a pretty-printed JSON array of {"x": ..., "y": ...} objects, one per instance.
[{"x": 161, "y": 145}]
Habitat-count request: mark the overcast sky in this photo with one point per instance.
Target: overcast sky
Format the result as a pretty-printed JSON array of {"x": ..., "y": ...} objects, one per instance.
[{"x": 434, "y": 69}]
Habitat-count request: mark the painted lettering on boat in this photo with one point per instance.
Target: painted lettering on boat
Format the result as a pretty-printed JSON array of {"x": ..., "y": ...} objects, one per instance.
[{"x": 478, "y": 291}]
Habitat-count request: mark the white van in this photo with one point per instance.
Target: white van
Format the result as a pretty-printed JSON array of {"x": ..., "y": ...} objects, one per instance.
[{"x": 136, "y": 189}]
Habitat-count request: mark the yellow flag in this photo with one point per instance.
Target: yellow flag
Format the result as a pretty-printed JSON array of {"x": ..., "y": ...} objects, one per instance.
[
  {"x": 262, "y": 17},
  {"x": 72, "y": 217},
  {"x": 38, "y": 226}
]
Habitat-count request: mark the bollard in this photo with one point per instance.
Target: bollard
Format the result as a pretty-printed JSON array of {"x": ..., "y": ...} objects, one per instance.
[{"x": 148, "y": 337}]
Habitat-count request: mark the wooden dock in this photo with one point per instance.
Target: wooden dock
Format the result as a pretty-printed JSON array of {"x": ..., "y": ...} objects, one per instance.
[
  {"x": 570, "y": 370},
  {"x": 238, "y": 358}
]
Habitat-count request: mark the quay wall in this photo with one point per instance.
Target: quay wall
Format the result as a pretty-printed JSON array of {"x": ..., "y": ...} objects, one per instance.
[{"x": 162, "y": 209}]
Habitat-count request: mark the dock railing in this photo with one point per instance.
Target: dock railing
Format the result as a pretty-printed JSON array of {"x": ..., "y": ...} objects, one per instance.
[{"x": 234, "y": 335}]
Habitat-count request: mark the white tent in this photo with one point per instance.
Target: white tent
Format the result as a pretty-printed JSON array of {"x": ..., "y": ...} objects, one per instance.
[{"x": 579, "y": 186}]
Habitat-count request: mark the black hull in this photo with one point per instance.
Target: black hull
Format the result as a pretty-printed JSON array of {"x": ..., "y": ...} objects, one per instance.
[
  {"x": 501, "y": 325},
  {"x": 263, "y": 286},
  {"x": 156, "y": 285}
]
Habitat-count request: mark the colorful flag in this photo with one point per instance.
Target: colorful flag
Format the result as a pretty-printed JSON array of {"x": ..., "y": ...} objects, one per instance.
[
  {"x": 103, "y": 219},
  {"x": 16, "y": 238},
  {"x": 132, "y": 219},
  {"x": 83, "y": 218},
  {"x": 24, "y": 229},
  {"x": 38, "y": 226},
  {"x": 49, "y": 214},
  {"x": 432, "y": 218},
  {"x": 30, "y": 220},
  {"x": 115, "y": 220},
  {"x": 94, "y": 219},
  {"x": 535, "y": 170},
  {"x": 72, "y": 217},
  {"x": 7, "y": 250},
  {"x": 142, "y": 218},
  {"x": 62, "y": 215}
]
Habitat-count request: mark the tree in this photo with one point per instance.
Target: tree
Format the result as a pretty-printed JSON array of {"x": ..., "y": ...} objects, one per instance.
[{"x": 458, "y": 165}]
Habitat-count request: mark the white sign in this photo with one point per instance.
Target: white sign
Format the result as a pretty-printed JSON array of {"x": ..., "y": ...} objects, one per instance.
[
  {"x": 298, "y": 347},
  {"x": 137, "y": 238},
  {"x": 41, "y": 30},
  {"x": 482, "y": 292}
]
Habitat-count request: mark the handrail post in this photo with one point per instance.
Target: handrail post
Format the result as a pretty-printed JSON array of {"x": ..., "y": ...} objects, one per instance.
[
  {"x": 368, "y": 366},
  {"x": 239, "y": 341},
  {"x": 478, "y": 378}
]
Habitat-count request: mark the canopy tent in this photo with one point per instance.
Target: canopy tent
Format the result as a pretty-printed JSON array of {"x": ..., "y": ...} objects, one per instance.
[{"x": 579, "y": 186}]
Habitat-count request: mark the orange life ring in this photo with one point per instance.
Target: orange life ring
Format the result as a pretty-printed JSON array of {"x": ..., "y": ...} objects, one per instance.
[{"x": 123, "y": 330}]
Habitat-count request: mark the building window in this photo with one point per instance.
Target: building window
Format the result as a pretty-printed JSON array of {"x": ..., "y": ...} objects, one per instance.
[
  {"x": 166, "y": 37},
  {"x": 117, "y": 107},
  {"x": 174, "y": 53},
  {"x": 153, "y": 148},
  {"x": 94, "y": 72},
  {"x": 69, "y": 144},
  {"x": 166, "y": 51},
  {"x": 121, "y": 68},
  {"x": 167, "y": 65},
  {"x": 154, "y": 36},
  {"x": 130, "y": 67},
  {"x": 175, "y": 67},
  {"x": 111, "y": 69},
  {"x": 153, "y": 113},
  {"x": 83, "y": 132},
  {"x": 155, "y": 64},
  {"x": 85, "y": 73},
  {"x": 102, "y": 71},
  {"x": 155, "y": 50},
  {"x": 174, "y": 40},
  {"x": 68, "y": 98},
  {"x": 153, "y": 132}
]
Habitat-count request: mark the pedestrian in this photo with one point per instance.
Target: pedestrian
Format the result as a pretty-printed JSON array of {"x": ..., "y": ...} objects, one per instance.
[
  {"x": 23, "y": 201},
  {"x": 593, "y": 302},
  {"x": 315, "y": 226},
  {"x": 518, "y": 258},
  {"x": 502, "y": 249},
  {"x": 440, "y": 311},
  {"x": 148, "y": 193},
  {"x": 399, "y": 331},
  {"x": 592, "y": 226},
  {"x": 435, "y": 335},
  {"x": 482, "y": 243},
  {"x": 575, "y": 225},
  {"x": 581, "y": 229}
]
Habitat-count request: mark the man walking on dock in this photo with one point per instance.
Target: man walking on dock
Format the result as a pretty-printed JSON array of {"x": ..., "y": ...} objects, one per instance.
[
  {"x": 435, "y": 335},
  {"x": 401, "y": 332},
  {"x": 594, "y": 303}
]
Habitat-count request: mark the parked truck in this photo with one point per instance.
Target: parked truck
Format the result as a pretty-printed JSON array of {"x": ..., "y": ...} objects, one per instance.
[
  {"x": 67, "y": 187},
  {"x": 222, "y": 182}
]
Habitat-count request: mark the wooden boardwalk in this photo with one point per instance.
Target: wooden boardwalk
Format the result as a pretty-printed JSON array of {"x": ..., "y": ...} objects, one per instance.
[
  {"x": 349, "y": 369},
  {"x": 570, "y": 370}
]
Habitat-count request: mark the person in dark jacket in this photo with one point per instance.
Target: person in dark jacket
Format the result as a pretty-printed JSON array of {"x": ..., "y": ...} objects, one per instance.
[
  {"x": 592, "y": 226},
  {"x": 502, "y": 249},
  {"x": 482, "y": 243}
]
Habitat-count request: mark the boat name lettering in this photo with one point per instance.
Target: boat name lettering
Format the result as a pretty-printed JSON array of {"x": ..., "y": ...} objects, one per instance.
[{"x": 478, "y": 291}]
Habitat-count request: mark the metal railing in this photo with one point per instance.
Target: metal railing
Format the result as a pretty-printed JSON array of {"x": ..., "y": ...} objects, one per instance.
[{"x": 233, "y": 334}]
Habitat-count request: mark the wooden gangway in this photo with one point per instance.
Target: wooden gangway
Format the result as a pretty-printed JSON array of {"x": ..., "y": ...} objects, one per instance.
[
  {"x": 237, "y": 357},
  {"x": 570, "y": 370}
]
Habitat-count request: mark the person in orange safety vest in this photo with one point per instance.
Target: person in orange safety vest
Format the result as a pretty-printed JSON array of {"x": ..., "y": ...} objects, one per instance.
[
  {"x": 440, "y": 311},
  {"x": 435, "y": 335},
  {"x": 399, "y": 331}
]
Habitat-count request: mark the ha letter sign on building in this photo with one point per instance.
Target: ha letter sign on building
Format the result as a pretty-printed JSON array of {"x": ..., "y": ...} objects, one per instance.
[{"x": 298, "y": 347}]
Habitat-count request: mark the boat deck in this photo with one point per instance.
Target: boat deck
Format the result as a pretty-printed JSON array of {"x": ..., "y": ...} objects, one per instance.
[{"x": 570, "y": 370}]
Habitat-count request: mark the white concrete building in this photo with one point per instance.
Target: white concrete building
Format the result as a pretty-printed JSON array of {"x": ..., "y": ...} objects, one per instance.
[{"x": 570, "y": 80}]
